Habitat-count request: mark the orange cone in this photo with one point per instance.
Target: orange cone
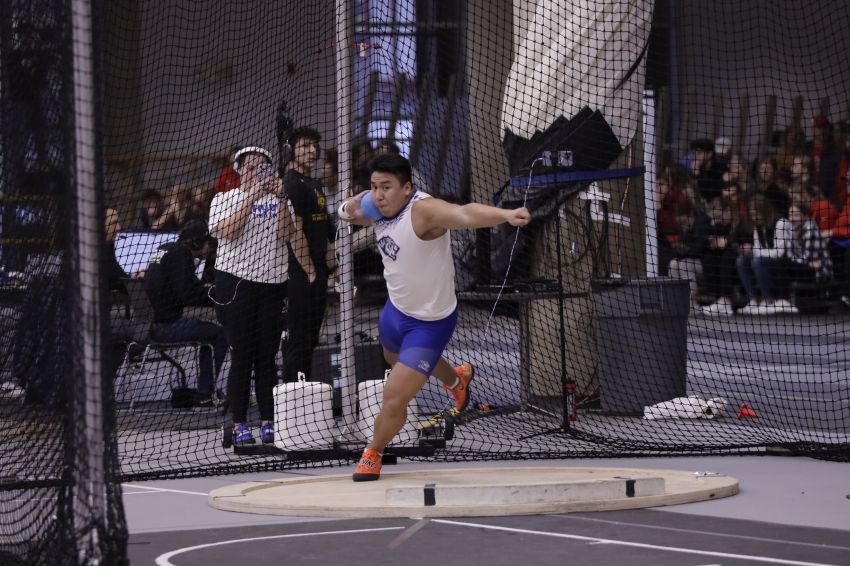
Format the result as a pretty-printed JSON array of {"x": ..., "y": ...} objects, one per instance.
[{"x": 746, "y": 412}]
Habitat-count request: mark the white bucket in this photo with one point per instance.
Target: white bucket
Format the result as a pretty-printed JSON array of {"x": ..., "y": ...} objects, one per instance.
[
  {"x": 370, "y": 395},
  {"x": 303, "y": 415}
]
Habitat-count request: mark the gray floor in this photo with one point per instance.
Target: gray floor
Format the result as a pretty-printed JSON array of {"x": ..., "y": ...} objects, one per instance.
[{"x": 789, "y": 511}]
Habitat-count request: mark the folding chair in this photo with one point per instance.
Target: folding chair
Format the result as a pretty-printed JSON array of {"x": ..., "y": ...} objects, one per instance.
[{"x": 142, "y": 348}]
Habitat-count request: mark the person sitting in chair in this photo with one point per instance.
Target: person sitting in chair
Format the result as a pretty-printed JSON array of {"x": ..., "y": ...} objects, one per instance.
[{"x": 172, "y": 285}]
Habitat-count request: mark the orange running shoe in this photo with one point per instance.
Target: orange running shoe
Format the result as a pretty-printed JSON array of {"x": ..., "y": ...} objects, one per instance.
[
  {"x": 461, "y": 392},
  {"x": 369, "y": 466}
]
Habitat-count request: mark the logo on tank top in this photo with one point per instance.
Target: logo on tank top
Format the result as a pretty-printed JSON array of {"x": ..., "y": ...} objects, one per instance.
[
  {"x": 388, "y": 247},
  {"x": 264, "y": 210}
]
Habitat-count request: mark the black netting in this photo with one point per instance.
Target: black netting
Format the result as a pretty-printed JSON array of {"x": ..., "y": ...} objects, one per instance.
[
  {"x": 681, "y": 288},
  {"x": 59, "y": 485}
]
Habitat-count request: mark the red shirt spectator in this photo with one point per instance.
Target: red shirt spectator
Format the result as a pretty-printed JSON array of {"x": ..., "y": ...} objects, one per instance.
[
  {"x": 824, "y": 213},
  {"x": 227, "y": 179}
]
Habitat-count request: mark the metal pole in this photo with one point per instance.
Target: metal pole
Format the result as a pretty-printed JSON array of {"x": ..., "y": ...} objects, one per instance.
[
  {"x": 90, "y": 494},
  {"x": 649, "y": 141},
  {"x": 344, "y": 123}
]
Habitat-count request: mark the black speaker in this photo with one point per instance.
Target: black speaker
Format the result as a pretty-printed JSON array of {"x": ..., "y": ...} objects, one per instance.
[{"x": 369, "y": 364}]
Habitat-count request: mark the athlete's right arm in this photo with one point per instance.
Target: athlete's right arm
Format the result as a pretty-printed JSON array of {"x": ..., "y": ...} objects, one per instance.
[{"x": 351, "y": 211}]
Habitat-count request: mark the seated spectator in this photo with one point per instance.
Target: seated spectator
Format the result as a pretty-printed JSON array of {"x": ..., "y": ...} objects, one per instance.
[
  {"x": 719, "y": 258},
  {"x": 839, "y": 249},
  {"x": 674, "y": 194},
  {"x": 799, "y": 254},
  {"x": 769, "y": 183},
  {"x": 172, "y": 285},
  {"x": 799, "y": 189},
  {"x": 793, "y": 143},
  {"x": 386, "y": 146},
  {"x": 688, "y": 248},
  {"x": 826, "y": 157},
  {"x": 706, "y": 170},
  {"x": 824, "y": 213},
  {"x": 770, "y": 232},
  {"x": 149, "y": 209},
  {"x": 180, "y": 208}
]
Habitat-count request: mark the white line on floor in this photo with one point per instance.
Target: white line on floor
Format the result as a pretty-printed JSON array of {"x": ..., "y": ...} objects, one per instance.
[
  {"x": 165, "y": 559},
  {"x": 710, "y": 533},
  {"x": 163, "y": 490},
  {"x": 597, "y": 540}
]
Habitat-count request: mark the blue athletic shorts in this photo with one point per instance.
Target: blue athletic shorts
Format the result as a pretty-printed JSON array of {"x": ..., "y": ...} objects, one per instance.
[{"x": 418, "y": 343}]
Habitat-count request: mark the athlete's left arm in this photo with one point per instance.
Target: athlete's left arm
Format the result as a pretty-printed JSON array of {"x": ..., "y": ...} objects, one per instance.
[{"x": 433, "y": 213}]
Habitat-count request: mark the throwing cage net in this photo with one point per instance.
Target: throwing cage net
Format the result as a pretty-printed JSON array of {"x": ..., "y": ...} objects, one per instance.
[{"x": 180, "y": 298}]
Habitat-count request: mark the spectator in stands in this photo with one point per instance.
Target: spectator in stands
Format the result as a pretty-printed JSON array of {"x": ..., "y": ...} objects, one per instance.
[
  {"x": 172, "y": 285},
  {"x": 770, "y": 234},
  {"x": 793, "y": 143},
  {"x": 312, "y": 259},
  {"x": 252, "y": 224},
  {"x": 361, "y": 155},
  {"x": 738, "y": 174},
  {"x": 418, "y": 321},
  {"x": 839, "y": 248},
  {"x": 180, "y": 208},
  {"x": 841, "y": 185},
  {"x": 199, "y": 203},
  {"x": 688, "y": 248},
  {"x": 329, "y": 178},
  {"x": 770, "y": 185},
  {"x": 719, "y": 258},
  {"x": 706, "y": 170},
  {"x": 114, "y": 272},
  {"x": 673, "y": 194},
  {"x": 228, "y": 178},
  {"x": 799, "y": 254},
  {"x": 149, "y": 210},
  {"x": 799, "y": 189},
  {"x": 826, "y": 157},
  {"x": 385, "y": 147},
  {"x": 823, "y": 212}
]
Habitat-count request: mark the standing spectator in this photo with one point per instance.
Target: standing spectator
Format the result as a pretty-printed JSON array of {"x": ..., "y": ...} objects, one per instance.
[
  {"x": 252, "y": 224},
  {"x": 172, "y": 285},
  {"x": 312, "y": 259},
  {"x": 149, "y": 210},
  {"x": 228, "y": 178}
]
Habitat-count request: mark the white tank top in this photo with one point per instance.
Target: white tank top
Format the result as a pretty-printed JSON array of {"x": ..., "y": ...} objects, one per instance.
[{"x": 420, "y": 274}]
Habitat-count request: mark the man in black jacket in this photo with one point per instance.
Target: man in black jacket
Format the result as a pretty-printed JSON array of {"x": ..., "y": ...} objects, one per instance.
[{"x": 171, "y": 284}]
